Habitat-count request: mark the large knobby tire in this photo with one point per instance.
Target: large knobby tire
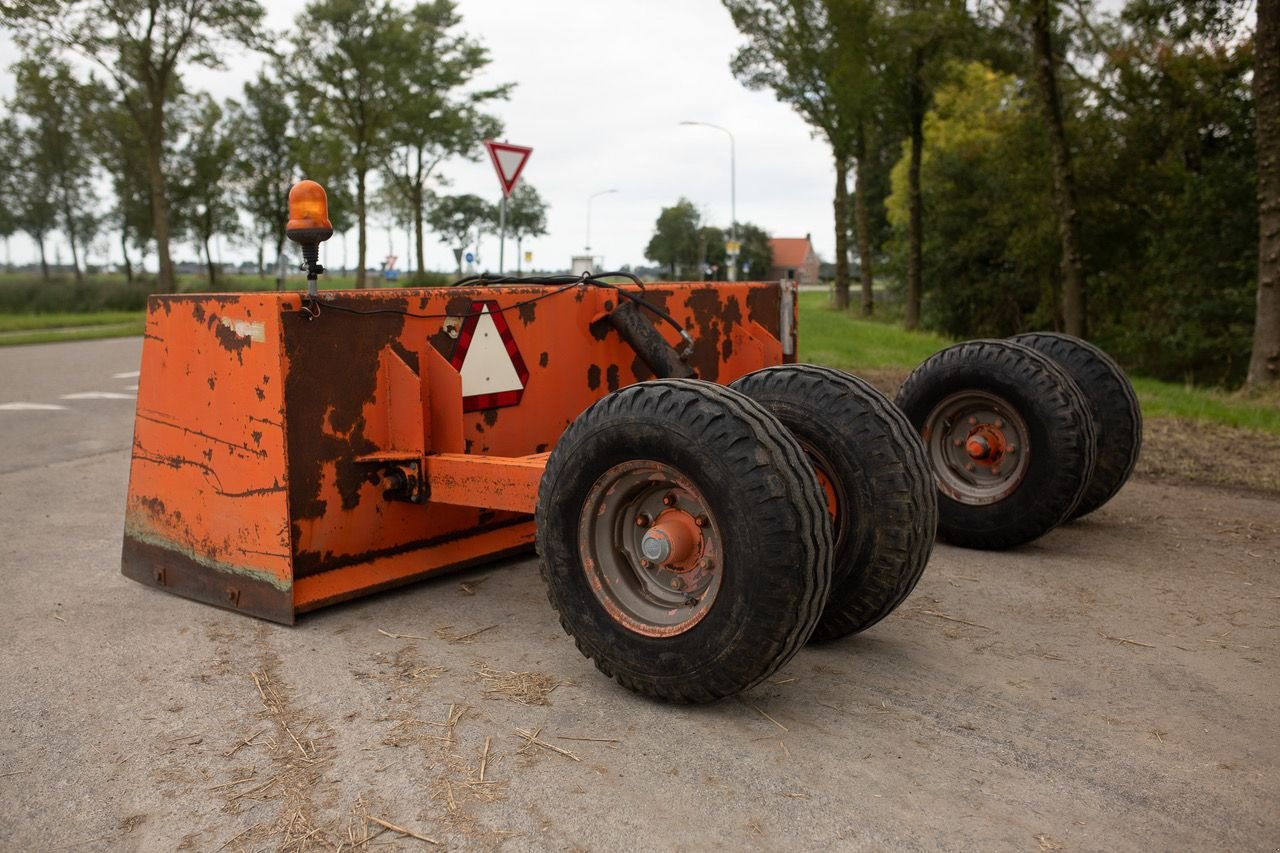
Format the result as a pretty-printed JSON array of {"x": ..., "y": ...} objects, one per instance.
[
  {"x": 684, "y": 539},
  {"x": 1010, "y": 439},
  {"x": 880, "y": 490},
  {"x": 1117, "y": 416}
]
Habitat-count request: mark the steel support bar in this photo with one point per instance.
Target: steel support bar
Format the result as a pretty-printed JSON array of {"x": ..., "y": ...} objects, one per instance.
[{"x": 489, "y": 482}]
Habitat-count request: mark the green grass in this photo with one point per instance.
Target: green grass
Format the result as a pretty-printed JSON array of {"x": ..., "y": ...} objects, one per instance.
[
  {"x": 64, "y": 319},
  {"x": 842, "y": 340}
]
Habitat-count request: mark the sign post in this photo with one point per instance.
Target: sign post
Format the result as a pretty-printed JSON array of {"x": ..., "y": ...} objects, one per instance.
[{"x": 508, "y": 161}]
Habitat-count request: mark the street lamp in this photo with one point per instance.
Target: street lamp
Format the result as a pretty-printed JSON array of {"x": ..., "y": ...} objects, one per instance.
[
  {"x": 590, "y": 199},
  {"x": 733, "y": 190}
]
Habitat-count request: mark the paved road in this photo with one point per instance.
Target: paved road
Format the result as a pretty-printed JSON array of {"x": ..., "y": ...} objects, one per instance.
[{"x": 1114, "y": 686}]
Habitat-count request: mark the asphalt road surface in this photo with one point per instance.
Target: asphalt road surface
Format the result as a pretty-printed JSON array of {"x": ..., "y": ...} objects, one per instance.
[{"x": 1113, "y": 686}]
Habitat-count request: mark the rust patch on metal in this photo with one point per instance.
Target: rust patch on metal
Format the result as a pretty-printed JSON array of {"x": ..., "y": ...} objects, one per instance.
[
  {"x": 612, "y": 377},
  {"x": 527, "y": 312},
  {"x": 593, "y": 377}
]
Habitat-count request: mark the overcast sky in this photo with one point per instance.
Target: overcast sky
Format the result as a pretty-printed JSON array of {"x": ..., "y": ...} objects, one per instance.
[{"x": 602, "y": 86}]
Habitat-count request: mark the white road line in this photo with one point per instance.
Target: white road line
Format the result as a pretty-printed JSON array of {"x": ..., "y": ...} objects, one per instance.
[
  {"x": 133, "y": 374},
  {"x": 31, "y": 407},
  {"x": 97, "y": 395}
]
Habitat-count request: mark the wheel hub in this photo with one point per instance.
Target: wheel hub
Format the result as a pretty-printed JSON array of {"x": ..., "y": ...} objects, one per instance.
[
  {"x": 650, "y": 548},
  {"x": 978, "y": 445}
]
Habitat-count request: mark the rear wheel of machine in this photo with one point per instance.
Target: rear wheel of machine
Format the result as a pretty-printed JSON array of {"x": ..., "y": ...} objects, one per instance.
[
  {"x": 880, "y": 491},
  {"x": 1010, "y": 439},
  {"x": 684, "y": 539},
  {"x": 1117, "y": 417}
]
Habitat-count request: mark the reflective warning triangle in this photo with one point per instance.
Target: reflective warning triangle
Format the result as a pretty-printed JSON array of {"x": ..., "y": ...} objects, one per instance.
[
  {"x": 493, "y": 371},
  {"x": 508, "y": 162}
]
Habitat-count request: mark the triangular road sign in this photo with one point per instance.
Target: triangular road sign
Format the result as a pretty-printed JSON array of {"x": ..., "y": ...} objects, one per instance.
[{"x": 508, "y": 162}]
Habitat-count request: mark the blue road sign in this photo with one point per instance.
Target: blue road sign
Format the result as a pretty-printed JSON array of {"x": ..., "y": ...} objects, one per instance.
[{"x": 470, "y": 257}]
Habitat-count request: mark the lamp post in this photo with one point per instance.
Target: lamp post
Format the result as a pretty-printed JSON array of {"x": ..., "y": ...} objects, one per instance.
[
  {"x": 733, "y": 189},
  {"x": 590, "y": 199}
]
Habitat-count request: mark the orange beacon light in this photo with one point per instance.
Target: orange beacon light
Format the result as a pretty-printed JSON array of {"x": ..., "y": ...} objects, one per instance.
[{"x": 309, "y": 226}]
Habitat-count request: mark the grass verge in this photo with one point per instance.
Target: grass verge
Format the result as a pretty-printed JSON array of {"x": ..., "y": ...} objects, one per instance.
[{"x": 841, "y": 340}]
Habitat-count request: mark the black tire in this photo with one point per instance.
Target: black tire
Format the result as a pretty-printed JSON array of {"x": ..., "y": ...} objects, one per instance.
[
  {"x": 1117, "y": 416},
  {"x": 1010, "y": 439},
  {"x": 761, "y": 569},
  {"x": 886, "y": 507}
]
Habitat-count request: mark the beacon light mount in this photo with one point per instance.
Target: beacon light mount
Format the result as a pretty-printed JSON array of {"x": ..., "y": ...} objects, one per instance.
[{"x": 309, "y": 226}]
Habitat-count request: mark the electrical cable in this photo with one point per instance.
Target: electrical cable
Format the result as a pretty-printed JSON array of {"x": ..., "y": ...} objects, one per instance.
[{"x": 560, "y": 283}]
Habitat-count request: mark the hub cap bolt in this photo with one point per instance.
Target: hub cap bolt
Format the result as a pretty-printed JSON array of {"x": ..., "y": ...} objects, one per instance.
[
  {"x": 969, "y": 467},
  {"x": 958, "y": 442},
  {"x": 973, "y": 421},
  {"x": 702, "y": 521},
  {"x": 1011, "y": 448},
  {"x": 995, "y": 471},
  {"x": 999, "y": 424},
  {"x": 646, "y": 564},
  {"x": 677, "y": 583},
  {"x": 669, "y": 499},
  {"x": 642, "y": 520}
]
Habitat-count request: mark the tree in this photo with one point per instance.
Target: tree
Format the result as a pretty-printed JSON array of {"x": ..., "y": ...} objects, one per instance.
[
  {"x": 675, "y": 243},
  {"x": 142, "y": 47},
  {"x": 57, "y": 108},
  {"x": 205, "y": 207},
  {"x": 32, "y": 184},
  {"x": 349, "y": 66},
  {"x": 439, "y": 116},
  {"x": 1264, "y": 363},
  {"x": 792, "y": 49},
  {"x": 120, "y": 151},
  {"x": 526, "y": 217},
  {"x": 266, "y": 162},
  {"x": 757, "y": 254},
  {"x": 455, "y": 217}
]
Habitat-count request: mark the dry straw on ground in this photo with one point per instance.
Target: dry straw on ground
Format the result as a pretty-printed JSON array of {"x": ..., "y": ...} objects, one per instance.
[{"x": 524, "y": 688}]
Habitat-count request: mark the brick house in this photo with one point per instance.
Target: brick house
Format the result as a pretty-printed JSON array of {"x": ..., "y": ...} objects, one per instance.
[{"x": 793, "y": 257}]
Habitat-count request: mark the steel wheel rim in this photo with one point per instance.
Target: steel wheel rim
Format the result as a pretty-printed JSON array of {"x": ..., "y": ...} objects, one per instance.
[
  {"x": 632, "y": 513},
  {"x": 979, "y": 447}
]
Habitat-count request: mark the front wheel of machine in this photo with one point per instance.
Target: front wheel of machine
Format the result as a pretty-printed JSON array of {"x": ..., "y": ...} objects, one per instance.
[
  {"x": 1010, "y": 439},
  {"x": 880, "y": 490},
  {"x": 684, "y": 540}
]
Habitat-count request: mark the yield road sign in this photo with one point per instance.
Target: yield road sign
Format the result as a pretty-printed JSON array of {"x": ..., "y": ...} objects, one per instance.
[{"x": 508, "y": 162}]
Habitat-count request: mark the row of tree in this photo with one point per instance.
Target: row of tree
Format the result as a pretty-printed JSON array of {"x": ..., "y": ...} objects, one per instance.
[
  {"x": 682, "y": 244},
  {"x": 366, "y": 97},
  {"x": 1043, "y": 163}
]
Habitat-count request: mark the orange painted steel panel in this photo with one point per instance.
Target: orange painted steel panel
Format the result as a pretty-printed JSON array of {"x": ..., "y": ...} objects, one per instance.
[{"x": 265, "y": 428}]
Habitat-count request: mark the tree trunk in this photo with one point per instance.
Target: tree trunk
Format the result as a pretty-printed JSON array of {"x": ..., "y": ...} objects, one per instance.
[
  {"x": 280, "y": 264},
  {"x": 154, "y": 137},
  {"x": 1064, "y": 182},
  {"x": 262, "y": 269},
  {"x": 362, "y": 240},
  {"x": 208, "y": 261},
  {"x": 418, "y": 233},
  {"x": 862, "y": 222},
  {"x": 841, "y": 206},
  {"x": 69, "y": 218},
  {"x": 1264, "y": 365},
  {"x": 44, "y": 262},
  {"x": 915, "y": 203},
  {"x": 124, "y": 253}
]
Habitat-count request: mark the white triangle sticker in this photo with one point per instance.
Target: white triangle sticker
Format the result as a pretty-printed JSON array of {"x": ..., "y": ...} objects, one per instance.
[{"x": 487, "y": 367}]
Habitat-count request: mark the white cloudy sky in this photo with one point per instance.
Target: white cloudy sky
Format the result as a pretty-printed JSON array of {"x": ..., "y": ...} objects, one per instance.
[{"x": 602, "y": 87}]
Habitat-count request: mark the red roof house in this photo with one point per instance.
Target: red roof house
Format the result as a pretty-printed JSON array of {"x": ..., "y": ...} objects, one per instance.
[{"x": 794, "y": 258}]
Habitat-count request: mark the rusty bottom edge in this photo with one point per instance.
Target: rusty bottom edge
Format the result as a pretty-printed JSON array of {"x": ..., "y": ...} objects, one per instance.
[{"x": 173, "y": 571}]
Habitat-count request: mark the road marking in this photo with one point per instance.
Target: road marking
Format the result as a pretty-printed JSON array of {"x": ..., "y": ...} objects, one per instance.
[
  {"x": 31, "y": 407},
  {"x": 132, "y": 374},
  {"x": 97, "y": 395}
]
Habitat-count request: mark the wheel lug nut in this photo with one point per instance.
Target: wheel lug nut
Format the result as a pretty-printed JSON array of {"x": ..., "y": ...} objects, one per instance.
[
  {"x": 970, "y": 467},
  {"x": 999, "y": 424},
  {"x": 646, "y": 564},
  {"x": 669, "y": 499},
  {"x": 959, "y": 442},
  {"x": 973, "y": 421},
  {"x": 702, "y": 521},
  {"x": 995, "y": 471},
  {"x": 677, "y": 583},
  {"x": 704, "y": 563},
  {"x": 642, "y": 520},
  {"x": 1011, "y": 448}
]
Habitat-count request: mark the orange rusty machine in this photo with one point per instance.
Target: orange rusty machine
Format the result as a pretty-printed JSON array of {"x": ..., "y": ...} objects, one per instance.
[{"x": 702, "y": 506}]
